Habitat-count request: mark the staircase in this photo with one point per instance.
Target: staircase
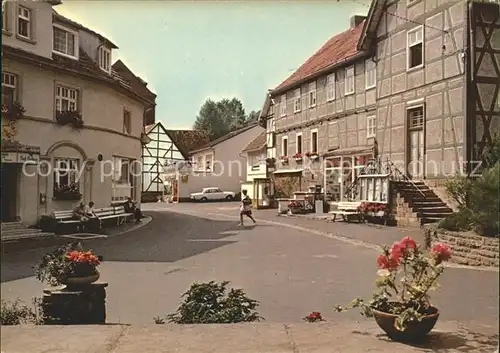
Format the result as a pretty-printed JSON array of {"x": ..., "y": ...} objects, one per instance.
[
  {"x": 422, "y": 200},
  {"x": 12, "y": 231}
]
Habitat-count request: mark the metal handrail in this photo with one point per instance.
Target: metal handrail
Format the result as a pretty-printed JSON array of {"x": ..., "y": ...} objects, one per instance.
[{"x": 405, "y": 177}]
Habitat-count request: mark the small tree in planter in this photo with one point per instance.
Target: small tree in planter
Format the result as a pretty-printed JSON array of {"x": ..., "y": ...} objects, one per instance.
[
  {"x": 401, "y": 305},
  {"x": 212, "y": 303},
  {"x": 13, "y": 111}
]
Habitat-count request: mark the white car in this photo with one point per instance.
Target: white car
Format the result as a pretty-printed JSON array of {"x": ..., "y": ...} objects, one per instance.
[{"x": 212, "y": 194}]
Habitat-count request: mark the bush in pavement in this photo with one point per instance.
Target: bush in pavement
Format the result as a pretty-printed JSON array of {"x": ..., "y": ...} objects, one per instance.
[
  {"x": 18, "y": 313},
  {"x": 213, "y": 303}
]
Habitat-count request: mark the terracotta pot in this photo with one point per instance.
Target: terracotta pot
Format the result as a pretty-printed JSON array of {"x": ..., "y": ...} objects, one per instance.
[
  {"x": 414, "y": 332},
  {"x": 80, "y": 281}
]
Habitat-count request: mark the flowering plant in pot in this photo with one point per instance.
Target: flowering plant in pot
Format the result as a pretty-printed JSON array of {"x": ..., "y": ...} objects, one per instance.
[
  {"x": 72, "y": 117},
  {"x": 401, "y": 304},
  {"x": 69, "y": 192},
  {"x": 68, "y": 264},
  {"x": 312, "y": 155},
  {"x": 13, "y": 111},
  {"x": 284, "y": 159}
]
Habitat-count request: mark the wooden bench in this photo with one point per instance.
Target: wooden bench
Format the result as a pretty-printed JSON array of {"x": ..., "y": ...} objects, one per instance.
[
  {"x": 123, "y": 216},
  {"x": 103, "y": 214},
  {"x": 346, "y": 210}
]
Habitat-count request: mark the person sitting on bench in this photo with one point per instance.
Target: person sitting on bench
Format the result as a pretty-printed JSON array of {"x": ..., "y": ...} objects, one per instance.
[
  {"x": 94, "y": 221},
  {"x": 130, "y": 207},
  {"x": 79, "y": 214}
]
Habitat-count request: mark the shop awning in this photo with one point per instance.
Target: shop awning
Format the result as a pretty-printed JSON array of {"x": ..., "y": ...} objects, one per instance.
[
  {"x": 288, "y": 171},
  {"x": 349, "y": 151}
]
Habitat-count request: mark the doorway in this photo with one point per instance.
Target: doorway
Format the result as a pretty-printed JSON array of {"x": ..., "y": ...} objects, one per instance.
[
  {"x": 416, "y": 143},
  {"x": 8, "y": 192}
]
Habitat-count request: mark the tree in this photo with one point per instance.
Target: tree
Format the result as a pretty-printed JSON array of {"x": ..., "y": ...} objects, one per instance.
[
  {"x": 253, "y": 116},
  {"x": 219, "y": 118}
]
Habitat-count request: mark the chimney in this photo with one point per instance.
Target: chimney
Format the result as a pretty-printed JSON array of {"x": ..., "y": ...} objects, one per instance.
[{"x": 356, "y": 20}]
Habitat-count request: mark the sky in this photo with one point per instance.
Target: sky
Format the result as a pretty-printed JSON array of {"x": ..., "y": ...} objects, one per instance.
[{"x": 189, "y": 51}]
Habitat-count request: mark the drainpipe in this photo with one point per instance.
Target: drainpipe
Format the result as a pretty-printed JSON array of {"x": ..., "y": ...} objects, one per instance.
[{"x": 468, "y": 82}]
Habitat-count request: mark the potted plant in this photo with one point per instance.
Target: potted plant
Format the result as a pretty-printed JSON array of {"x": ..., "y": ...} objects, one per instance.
[
  {"x": 69, "y": 265},
  {"x": 13, "y": 111},
  {"x": 69, "y": 192},
  {"x": 295, "y": 207},
  {"x": 72, "y": 117},
  {"x": 298, "y": 157},
  {"x": 312, "y": 155},
  {"x": 284, "y": 159},
  {"x": 401, "y": 305}
]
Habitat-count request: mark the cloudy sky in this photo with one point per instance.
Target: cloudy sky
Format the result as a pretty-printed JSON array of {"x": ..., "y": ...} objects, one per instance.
[{"x": 189, "y": 51}]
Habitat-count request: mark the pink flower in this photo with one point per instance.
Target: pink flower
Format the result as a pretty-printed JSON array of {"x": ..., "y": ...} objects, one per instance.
[
  {"x": 441, "y": 252},
  {"x": 387, "y": 263},
  {"x": 408, "y": 243},
  {"x": 397, "y": 251}
]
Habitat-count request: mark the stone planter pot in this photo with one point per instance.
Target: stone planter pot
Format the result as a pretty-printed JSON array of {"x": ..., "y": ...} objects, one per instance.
[
  {"x": 415, "y": 332},
  {"x": 81, "y": 281}
]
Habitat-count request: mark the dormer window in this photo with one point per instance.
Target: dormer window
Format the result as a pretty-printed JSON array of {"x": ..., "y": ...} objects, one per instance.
[
  {"x": 65, "y": 42},
  {"x": 105, "y": 59},
  {"x": 24, "y": 22}
]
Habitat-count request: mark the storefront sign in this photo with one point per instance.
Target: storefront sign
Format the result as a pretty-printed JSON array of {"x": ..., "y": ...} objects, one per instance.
[{"x": 20, "y": 157}]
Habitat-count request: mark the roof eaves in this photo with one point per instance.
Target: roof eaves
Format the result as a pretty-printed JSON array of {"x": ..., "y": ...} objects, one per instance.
[
  {"x": 370, "y": 25},
  {"x": 226, "y": 137},
  {"x": 326, "y": 70}
]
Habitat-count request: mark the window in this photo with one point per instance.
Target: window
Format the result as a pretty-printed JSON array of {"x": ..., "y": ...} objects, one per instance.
[
  {"x": 9, "y": 83},
  {"x": 314, "y": 141},
  {"x": 371, "y": 126},
  {"x": 199, "y": 163},
  {"x": 4, "y": 16},
  {"x": 370, "y": 74},
  {"x": 121, "y": 171},
  {"x": 296, "y": 101},
  {"x": 66, "y": 173},
  {"x": 127, "y": 122},
  {"x": 312, "y": 94},
  {"x": 415, "y": 50},
  {"x": 330, "y": 87},
  {"x": 208, "y": 163},
  {"x": 299, "y": 143},
  {"x": 65, "y": 42},
  {"x": 416, "y": 117},
  {"x": 284, "y": 146},
  {"x": 66, "y": 99},
  {"x": 24, "y": 22},
  {"x": 349, "y": 80},
  {"x": 283, "y": 105},
  {"x": 105, "y": 59}
]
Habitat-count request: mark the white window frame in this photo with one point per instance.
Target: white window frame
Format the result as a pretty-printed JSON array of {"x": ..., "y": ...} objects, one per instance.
[
  {"x": 70, "y": 98},
  {"x": 283, "y": 152},
  {"x": 370, "y": 74},
  {"x": 297, "y": 101},
  {"x": 119, "y": 178},
  {"x": 9, "y": 80},
  {"x": 371, "y": 126},
  {"x": 283, "y": 105},
  {"x": 76, "y": 45},
  {"x": 71, "y": 169},
  {"x": 208, "y": 160},
  {"x": 127, "y": 129},
  {"x": 416, "y": 42},
  {"x": 297, "y": 143},
  {"x": 312, "y": 94},
  {"x": 330, "y": 87},
  {"x": 351, "y": 79},
  {"x": 24, "y": 18},
  {"x": 422, "y": 122},
  {"x": 104, "y": 58},
  {"x": 314, "y": 131}
]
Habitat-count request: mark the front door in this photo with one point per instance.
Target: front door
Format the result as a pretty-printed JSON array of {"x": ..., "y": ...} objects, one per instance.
[
  {"x": 8, "y": 192},
  {"x": 416, "y": 155}
]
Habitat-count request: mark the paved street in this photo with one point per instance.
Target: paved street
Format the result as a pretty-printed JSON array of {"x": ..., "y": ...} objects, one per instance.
[{"x": 290, "y": 265}]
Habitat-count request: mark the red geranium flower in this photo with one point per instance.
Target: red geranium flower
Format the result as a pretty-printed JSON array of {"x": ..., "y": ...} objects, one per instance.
[
  {"x": 408, "y": 243},
  {"x": 314, "y": 316},
  {"x": 441, "y": 252},
  {"x": 387, "y": 262}
]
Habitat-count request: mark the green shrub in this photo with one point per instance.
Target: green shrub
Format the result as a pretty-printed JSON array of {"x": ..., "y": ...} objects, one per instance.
[
  {"x": 458, "y": 189},
  {"x": 17, "y": 313},
  {"x": 484, "y": 201},
  {"x": 212, "y": 303},
  {"x": 459, "y": 221}
]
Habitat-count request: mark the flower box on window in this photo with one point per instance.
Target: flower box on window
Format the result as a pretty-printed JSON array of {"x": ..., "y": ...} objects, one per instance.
[
  {"x": 13, "y": 111},
  {"x": 71, "y": 117},
  {"x": 67, "y": 192},
  {"x": 312, "y": 155},
  {"x": 284, "y": 159},
  {"x": 298, "y": 157}
]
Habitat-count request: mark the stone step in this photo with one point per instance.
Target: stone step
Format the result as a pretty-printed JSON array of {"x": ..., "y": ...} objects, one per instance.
[
  {"x": 429, "y": 204},
  {"x": 415, "y": 199},
  {"x": 21, "y": 231},
  {"x": 435, "y": 210},
  {"x": 426, "y": 220},
  {"x": 12, "y": 225},
  {"x": 434, "y": 215},
  {"x": 31, "y": 235}
]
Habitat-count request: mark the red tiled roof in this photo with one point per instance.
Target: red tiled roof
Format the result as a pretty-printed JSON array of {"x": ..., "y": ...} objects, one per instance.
[
  {"x": 188, "y": 140},
  {"x": 258, "y": 143},
  {"x": 335, "y": 50}
]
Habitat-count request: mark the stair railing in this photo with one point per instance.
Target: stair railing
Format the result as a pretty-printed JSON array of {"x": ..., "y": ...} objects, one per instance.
[
  {"x": 352, "y": 190},
  {"x": 394, "y": 172}
]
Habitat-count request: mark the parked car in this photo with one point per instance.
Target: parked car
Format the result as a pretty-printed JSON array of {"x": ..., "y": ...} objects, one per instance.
[{"x": 212, "y": 194}]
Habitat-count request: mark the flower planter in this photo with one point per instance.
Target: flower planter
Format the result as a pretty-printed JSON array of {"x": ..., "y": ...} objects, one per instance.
[
  {"x": 414, "y": 332},
  {"x": 67, "y": 196},
  {"x": 80, "y": 281},
  {"x": 298, "y": 159}
]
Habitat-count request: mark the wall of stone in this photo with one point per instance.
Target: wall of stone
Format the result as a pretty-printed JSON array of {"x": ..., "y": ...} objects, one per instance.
[
  {"x": 403, "y": 213},
  {"x": 468, "y": 248}
]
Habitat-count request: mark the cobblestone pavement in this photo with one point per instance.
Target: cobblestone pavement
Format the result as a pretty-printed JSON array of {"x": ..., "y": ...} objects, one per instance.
[{"x": 286, "y": 264}]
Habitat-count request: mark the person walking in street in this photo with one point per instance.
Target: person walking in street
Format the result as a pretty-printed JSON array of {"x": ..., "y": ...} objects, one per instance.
[{"x": 246, "y": 207}]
